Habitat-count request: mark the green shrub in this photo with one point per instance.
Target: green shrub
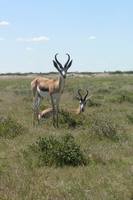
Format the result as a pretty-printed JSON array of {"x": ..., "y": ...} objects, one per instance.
[
  {"x": 58, "y": 151},
  {"x": 102, "y": 125},
  {"x": 72, "y": 120},
  {"x": 10, "y": 128}
]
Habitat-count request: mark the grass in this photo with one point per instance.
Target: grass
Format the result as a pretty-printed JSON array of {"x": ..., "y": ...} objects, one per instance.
[
  {"x": 53, "y": 151},
  {"x": 104, "y": 134}
]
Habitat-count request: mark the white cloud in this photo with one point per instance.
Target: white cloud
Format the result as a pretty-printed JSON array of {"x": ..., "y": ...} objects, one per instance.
[
  {"x": 29, "y": 49},
  {"x": 92, "y": 37},
  {"x": 4, "y": 23},
  {"x": 33, "y": 39},
  {"x": 39, "y": 39}
]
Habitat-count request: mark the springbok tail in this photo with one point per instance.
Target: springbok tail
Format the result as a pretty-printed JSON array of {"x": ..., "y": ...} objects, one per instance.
[{"x": 34, "y": 87}]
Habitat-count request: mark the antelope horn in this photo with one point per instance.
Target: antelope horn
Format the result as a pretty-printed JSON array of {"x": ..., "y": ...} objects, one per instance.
[
  {"x": 67, "y": 60},
  {"x": 58, "y": 61},
  {"x": 79, "y": 94},
  {"x": 87, "y": 92},
  {"x": 56, "y": 66},
  {"x": 68, "y": 64}
]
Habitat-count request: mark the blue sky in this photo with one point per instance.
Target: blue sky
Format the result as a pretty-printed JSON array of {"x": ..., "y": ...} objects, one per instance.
[{"x": 98, "y": 34}]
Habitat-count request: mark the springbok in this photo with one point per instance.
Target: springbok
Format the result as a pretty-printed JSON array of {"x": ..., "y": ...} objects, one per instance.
[
  {"x": 54, "y": 87},
  {"x": 82, "y": 101},
  {"x": 81, "y": 107}
]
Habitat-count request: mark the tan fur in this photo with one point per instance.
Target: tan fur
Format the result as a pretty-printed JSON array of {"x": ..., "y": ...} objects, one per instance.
[
  {"x": 54, "y": 87},
  {"x": 51, "y": 85},
  {"x": 81, "y": 107},
  {"x": 77, "y": 110},
  {"x": 46, "y": 113}
]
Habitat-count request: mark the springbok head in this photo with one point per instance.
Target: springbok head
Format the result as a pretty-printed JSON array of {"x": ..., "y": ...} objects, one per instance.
[
  {"x": 62, "y": 70},
  {"x": 83, "y": 99}
]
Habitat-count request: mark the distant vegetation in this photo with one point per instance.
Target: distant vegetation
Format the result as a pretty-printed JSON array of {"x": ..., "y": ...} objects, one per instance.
[{"x": 49, "y": 73}]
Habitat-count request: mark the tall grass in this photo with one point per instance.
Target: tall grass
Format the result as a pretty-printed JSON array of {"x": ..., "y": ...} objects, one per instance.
[{"x": 102, "y": 135}]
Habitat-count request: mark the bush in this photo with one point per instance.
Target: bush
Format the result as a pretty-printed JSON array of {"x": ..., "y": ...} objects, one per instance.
[
  {"x": 9, "y": 128},
  {"x": 70, "y": 119},
  {"x": 58, "y": 152},
  {"x": 104, "y": 126}
]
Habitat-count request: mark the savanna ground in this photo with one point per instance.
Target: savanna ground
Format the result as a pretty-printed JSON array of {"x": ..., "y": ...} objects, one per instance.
[{"x": 104, "y": 134}]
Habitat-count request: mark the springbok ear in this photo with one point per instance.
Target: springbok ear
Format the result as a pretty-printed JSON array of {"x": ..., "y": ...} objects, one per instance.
[
  {"x": 78, "y": 98},
  {"x": 89, "y": 97}
]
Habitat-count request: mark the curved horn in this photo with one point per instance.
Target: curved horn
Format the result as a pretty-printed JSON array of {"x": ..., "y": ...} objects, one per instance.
[
  {"x": 79, "y": 93},
  {"x": 58, "y": 61},
  {"x": 87, "y": 92},
  {"x": 56, "y": 66},
  {"x": 67, "y": 60}
]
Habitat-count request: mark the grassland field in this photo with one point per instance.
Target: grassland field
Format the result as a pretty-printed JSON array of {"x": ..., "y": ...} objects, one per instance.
[{"x": 104, "y": 133}]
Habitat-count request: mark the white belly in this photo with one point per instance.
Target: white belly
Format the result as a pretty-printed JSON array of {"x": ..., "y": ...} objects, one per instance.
[{"x": 42, "y": 93}]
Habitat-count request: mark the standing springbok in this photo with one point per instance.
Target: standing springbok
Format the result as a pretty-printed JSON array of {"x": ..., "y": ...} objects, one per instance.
[
  {"x": 44, "y": 86},
  {"x": 81, "y": 107}
]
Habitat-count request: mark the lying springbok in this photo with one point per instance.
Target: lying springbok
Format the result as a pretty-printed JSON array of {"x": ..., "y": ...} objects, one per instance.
[
  {"x": 53, "y": 87},
  {"x": 81, "y": 108},
  {"x": 82, "y": 101}
]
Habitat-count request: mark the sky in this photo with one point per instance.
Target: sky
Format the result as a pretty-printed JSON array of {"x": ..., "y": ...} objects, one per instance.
[{"x": 98, "y": 34}]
